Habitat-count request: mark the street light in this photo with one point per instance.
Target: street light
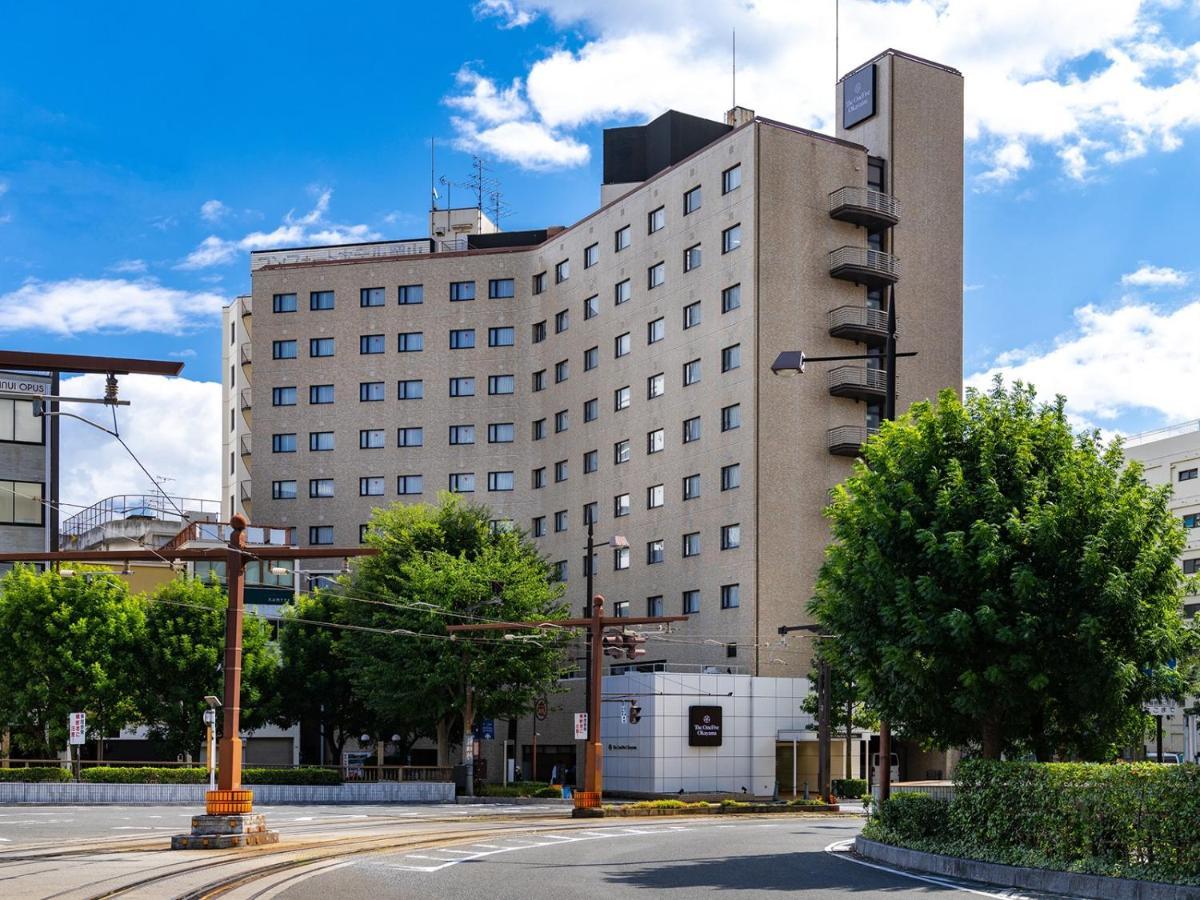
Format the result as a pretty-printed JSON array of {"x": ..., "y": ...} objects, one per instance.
[{"x": 617, "y": 542}]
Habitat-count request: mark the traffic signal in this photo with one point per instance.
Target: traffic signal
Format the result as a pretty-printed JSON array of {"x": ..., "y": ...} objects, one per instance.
[
  {"x": 633, "y": 645},
  {"x": 635, "y": 713},
  {"x": 614, "y": 644}
]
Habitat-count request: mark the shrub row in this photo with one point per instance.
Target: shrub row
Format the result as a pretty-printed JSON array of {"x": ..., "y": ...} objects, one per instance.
[
  {"x": 36, "y": 773},
  {"x": 183, "y": 775},
  {"x": 521, "y": 789},
  {"x": 849, "y": 787},
  {"x": 1138, "y": 820}
]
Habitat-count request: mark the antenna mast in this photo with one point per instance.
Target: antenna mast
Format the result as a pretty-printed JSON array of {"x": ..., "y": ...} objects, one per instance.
[
  {"x": 837, "y": 17},
  {"x": 734, "y": 73}
]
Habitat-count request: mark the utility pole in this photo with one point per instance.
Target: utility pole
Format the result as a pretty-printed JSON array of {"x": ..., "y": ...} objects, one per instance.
[{"x": 824, "y": 713}]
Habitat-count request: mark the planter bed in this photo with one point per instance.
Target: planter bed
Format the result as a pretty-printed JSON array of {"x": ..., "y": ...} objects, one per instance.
[
  {"x": 73, "y": 794},
  {"x": 748, "y": 809}
]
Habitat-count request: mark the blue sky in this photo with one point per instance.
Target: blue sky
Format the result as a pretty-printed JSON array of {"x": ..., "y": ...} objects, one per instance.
[{"x": 144, "y": 147}]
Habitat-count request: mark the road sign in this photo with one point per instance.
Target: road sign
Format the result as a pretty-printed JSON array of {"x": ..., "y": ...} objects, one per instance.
[
  {"x": 581, "y": 726},
  {"x": 1162, "y": 707},
  {"x": 624, "y": 715},
  {"x": 77, "y": 727},
  {"x": 541, "y": 709},
  {"x": 210, "y": 717},
  {"x": 487, "y": 729}
]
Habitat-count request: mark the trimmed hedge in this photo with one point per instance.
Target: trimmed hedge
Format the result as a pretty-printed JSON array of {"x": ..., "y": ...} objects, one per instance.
[
  {"x": 520, "y": 789},
  {"x": 849, "y": 787},
  {"x": 184, "y": 775},
  {"x": 36, "y": 773},
  {"x": 1138, "y": 820}
]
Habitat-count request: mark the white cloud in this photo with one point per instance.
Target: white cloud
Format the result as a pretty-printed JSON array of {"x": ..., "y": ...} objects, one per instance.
[
  {"x": 1155, "y": 277},
  {"x": 484, "y": 101},
  {"x": 106, "y": 305},
  {"x": 171, "y": 424},
  {"x": 213, "y": 211},
  {"x": 528, "y": 144},
  {"x": 311, "y": 228},
  {"x": 1136, "y": 357},
  {"x": 187, "y": 353},
  {"x": 3, "y": 188},
  {"x": 129, "y": 267},
  {"x": 1095, "y": 83}
]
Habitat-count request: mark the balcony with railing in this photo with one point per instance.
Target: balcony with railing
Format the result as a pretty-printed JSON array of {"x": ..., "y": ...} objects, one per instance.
[
  {"x": 219, "y": 532},
  {"x": 848, "y": 440},
  {"x": 858, "y": 382},
  {"x": 245, "y": 396},
  {"x": 244, "y": 490},
  {"x": 244, "y": 306},
  {"x": 244, "y": 445},
  {"x": 859, "y": 323},
  {"x": 139, "y": 507},
  {"x": 863, "y": 206},
  {"x": 862, "y": 265},
  {"x": 244, "y": 353}
]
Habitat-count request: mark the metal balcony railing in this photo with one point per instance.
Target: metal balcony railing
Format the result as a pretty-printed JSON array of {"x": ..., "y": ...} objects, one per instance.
[
  {"x": 244, "y": 490},
  {"x": 863, "y": 206},
  {"x": 847, "y": 440},
  {"x": 858, "y": 382},
  {"x": 219, "y": 532},
  {"x": 244, "y": 443},
  {"x": 245, "y": 398},
  {"x": 858, "y": 323},
  {"x": 244, "y": 306},
  {"x": 162, "y": 507},
  {"x": 862, "y": 265},
  {"x": 245, "y": 353}
]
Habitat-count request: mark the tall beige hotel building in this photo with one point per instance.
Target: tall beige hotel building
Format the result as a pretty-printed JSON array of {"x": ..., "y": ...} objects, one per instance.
[{"x": 619, "y": 368}]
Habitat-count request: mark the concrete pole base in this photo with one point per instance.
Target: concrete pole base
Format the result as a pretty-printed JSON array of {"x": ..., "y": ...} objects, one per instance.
[{"x": 221, "y": 832}]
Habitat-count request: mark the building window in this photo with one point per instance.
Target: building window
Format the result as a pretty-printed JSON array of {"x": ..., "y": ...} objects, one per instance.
[
  {"x": 691, "y": 544},
  {"x": 731, "y": 238},
  {"x": 373, "y": 439},
  {"x": 560, "y": 470},
  {"x": 591, "y": 462},
  {"x": 462, "y": 387},
  {"x": 591, "y": 255},
  {"x": 656, "y": 330},
  {"x": 691, "y": 258},
  {"x": 562, "y": 371},
  {"x": 655, "y": 441},
  {"x": 731, "y": 536},
  {"x": 322, "y": 346},
  {"x": 731, "y": 477},
  {"x": 283, "y": 443},
  {"x": 731, "y": 179},
  {"x": 410, "y": 389},
  {"x": 591, "y": 307},
  {"x": 411, "y": 294},
  {"x": 538, "y": 528},
  {"x": 731, "y": 298},
  {"x": 731, "y": 358},
  {"x": 370, "y": 391},
  {"x": 621, "y": 239},
  {"x": 280, "y": 490},
  {"x": 283, "y": 303},
  {"x": 654, "y": 605},
  {"x": 621, "y": 453},
  {"x": 620, "y": 505},
  {"x": 691, "y": 487},
  {"x": 320, "y": 441},
  {"x": 283, "y": 349},
  {"x": 318, "y": 300},
  {"x": 620, "y": 563},
  {"x": 591, "y": 409},
  {"x": 562, "y": 321},
  {"x": 370, "y": 486},
  {"x": 409, "y": 484},
  {"x": 562, "y": 271},
  {"x": 283, "y": 396},
  {"x": 501, "y": 288},
  {"x": 654, "y": 496},
  {"x": 654, "y": 552},
  {"x": 691, "y": 315},
  {"x": 538, "y": 478},
  {"x": 622, "y": 291},
  {"x": 561, "y": 421},
  {"x": 560, "y": 520},
  {"x": 691, "y": 372},
  {"x": 501, "y": 433},
  {"x": 539, "y": 429},
  {"x": 410, "y": 342},
  {"x": 731, "y": 417},
  {"x": 500, "y": 481},
  {"x": 656, "y": 275},
  {"x": 539, "y": 380},
  {"x": 591, "y": 358},
  {"x": 1187, "y": 474},
  {"x": 320, "y": 534},
  {"x": 691, "y": 603},
  {"x": 462, "y": 290},
  {"x": 621, "y": 345},
  {"x": 731, "y": 596},
  {"x": 371, "y": 297},
  {"x": 621, "y": 398},
  {"x": 371, "y": 343},
  {"x": 656, "y": 385},
  {"x": 462, "y": 482},
  {"x": 590, "y": 513},
  {"x": 558, "y": 570},
  {"x": 691, "y": 200},
  {"x": 539, "y": 332},
  {"x": 462, "y": 338},
  {"x": 691, "y": 429},
  {"x": 656, "y": 220},
  {"x": 320, "y": 488},
  {"x": 462, "y": 434},
  {"x": 501, "y": 337},
  {"x": 320, "y": 393},
  {"x": 1191, "y": 520},
  {"x": 410, "y": 437},
  {"x": 1191, "y": 566}
]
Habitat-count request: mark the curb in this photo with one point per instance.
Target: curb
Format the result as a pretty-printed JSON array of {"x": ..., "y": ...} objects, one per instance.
[
  {"x": 511, "y": 801},
  {"x": 1074, "y": 884},
  {"x": 624, "y": 811}
]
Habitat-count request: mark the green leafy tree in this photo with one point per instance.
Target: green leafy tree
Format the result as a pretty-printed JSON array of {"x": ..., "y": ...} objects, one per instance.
[
  {"x": 437, "y": 566},
  {"x": 182, "y": 661},
  {"x": 67, "y": 644},
  {"x": 995, "y": 580}
]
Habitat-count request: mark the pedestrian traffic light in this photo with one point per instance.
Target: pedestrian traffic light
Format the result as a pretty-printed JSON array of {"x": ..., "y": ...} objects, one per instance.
[
  {"x": 633, "y": 645},
  {"x": 614, "y": 644},
  {"x": 635, "y": 713}
]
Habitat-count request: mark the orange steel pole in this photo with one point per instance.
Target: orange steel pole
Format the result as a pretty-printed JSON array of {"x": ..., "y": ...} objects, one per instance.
[
  {"x": 593, "y": 754},
  {"x": 229, "y": 754}
]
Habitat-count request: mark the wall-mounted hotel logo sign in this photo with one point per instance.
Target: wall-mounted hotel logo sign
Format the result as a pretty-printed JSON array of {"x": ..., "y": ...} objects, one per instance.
[
  {"x": 704, "y": 726},
  {"x": 858, "y": 96},
  {"x": 10, "y": 385}
]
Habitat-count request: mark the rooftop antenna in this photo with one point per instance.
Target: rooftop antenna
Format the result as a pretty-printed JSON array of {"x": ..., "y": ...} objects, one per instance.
[
  {"x": 837, "y": 16},
  {"x": 433, "y": 201},
  {"x": 483, "y": 183},
  {"x": 734, "y": 67}
]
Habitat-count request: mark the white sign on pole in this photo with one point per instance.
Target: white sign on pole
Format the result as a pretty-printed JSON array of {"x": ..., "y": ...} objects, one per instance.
[
  {"x": 77, "y": 727},
  {"x": 1162, "y": 708},
  {"x": 581, "y": 726}
]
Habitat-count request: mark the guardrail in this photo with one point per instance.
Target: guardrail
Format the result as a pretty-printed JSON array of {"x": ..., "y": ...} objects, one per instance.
[{"x": 133, "y": 506}]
